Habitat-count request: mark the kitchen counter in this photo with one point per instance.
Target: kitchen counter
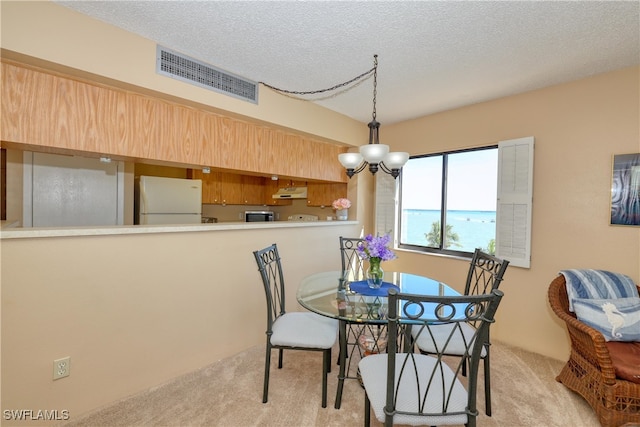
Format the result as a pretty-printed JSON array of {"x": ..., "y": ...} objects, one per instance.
[{"x": 34, "y": 233}]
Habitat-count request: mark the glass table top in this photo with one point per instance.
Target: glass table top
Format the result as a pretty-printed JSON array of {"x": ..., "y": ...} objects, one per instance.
[{"x": 330, "y": 294}]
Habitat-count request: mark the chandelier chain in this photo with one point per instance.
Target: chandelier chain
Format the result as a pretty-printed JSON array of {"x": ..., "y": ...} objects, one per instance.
[
  {"x": 312, "y": 92},
  {"x": 375, "y": 84}
]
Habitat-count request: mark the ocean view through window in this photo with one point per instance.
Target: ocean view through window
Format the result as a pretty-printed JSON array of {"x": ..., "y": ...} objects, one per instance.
[
  {"x": 448, "y": 202},
  {"x": 475, "y": 229}
]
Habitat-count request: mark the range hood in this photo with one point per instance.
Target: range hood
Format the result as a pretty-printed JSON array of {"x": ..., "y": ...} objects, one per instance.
[{"x": 291, "y": 193}]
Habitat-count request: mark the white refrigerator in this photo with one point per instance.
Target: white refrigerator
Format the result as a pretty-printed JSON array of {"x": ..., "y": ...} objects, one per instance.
[{"x": 168, "y": 200}]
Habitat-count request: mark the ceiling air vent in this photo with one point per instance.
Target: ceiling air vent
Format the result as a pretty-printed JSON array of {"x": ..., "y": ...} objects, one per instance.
[{"x": 180, "y": 67}]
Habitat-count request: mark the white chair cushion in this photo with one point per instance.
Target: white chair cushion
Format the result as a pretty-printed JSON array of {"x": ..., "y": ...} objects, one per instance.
[
  {"x": 303, "y": 329},
  {"x": 456, "y": 345},
  {"x": 373, "y": 370}
]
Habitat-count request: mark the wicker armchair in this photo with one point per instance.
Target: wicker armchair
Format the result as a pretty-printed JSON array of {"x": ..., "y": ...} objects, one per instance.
[{"x": 590, "y": 371}]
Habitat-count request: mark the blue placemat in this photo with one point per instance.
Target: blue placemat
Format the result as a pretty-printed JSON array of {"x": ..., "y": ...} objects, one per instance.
[{"x": 362, "y": 287}]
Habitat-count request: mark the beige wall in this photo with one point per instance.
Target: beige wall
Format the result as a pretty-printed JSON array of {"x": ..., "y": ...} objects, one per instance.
[
  {"x": 133, "y": 311},
  {"x": 578, "y": 127}
]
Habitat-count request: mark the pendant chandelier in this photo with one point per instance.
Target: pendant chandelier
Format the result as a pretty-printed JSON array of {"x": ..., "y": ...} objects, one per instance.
[{"x": 374, "y": 154}]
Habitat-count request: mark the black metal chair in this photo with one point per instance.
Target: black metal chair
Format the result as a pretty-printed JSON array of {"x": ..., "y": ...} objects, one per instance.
[
  {"x": 293, "y": 330},
  {"x": 353, "y": 267},
  {"x": 413, "y": 388},
  {"x": 351, "y": 261},
  {"x": 485, "y": 275}
]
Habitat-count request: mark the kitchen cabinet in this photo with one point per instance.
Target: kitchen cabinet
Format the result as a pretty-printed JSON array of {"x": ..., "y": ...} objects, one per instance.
[
  {"x": 222, "y": 188},
  {"x": 66, "y": 114},
  {"x": 253, "y": 189},
  {"x": 210, "y": 186},
  {"x": 287, "y": 183},
  {"x": 240, "y": 189},
  {"x": 323, "y": 194},
  {"x": 230, "y": 187}
]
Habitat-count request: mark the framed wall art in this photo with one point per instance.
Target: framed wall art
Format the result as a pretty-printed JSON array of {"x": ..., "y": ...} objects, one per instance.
[{"x": 625, "y": 190}]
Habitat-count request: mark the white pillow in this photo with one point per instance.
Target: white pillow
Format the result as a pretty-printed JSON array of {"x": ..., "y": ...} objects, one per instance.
[{"x": 618, "y": 319}]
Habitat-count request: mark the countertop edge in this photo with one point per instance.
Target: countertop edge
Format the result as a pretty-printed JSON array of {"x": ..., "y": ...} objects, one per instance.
[{"x": 33, "y": 233}]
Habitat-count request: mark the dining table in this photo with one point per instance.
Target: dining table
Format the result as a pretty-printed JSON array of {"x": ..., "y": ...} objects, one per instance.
[{"x": 360, "y": 310}]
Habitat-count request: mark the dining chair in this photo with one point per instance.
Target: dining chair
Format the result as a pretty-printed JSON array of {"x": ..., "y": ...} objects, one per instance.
[
  {"x": 413, "y": 388},
  {"x": 354, "y": 267},
  {"x": 291, "y": 330},
  {"x": 351, "y": 261},
  {"x": 485, "y": 274}
]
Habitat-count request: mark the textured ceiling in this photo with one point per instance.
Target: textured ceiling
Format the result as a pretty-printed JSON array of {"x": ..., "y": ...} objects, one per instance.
[{"x": 433, "y": 55}]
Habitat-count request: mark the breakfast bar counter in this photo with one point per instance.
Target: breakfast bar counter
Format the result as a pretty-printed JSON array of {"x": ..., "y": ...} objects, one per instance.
[{"x": 27, "y": 233}]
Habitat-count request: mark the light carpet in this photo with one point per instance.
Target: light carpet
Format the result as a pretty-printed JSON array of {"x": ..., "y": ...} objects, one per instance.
[{"x": 229, "y": 393}]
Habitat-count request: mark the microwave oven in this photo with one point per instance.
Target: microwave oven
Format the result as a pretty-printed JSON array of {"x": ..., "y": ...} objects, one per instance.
[{"x": 259, "y": 216}]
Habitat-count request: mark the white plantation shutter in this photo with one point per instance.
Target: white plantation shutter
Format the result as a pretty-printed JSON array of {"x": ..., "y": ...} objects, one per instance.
[
  {"x": 515, "y": 198},
  {"x": 385, "y": 205}
]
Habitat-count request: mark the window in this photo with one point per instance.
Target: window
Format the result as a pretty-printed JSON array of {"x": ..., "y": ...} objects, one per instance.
[
  {"x": 448, "y": 201},
  {"x": 454, "y": 202}
]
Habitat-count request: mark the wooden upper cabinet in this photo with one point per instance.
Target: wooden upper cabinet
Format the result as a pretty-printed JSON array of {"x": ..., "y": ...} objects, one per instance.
[
  {"x": 139, "y": 126},
  {"x": 320, "y": 194},
  {"x": 234, "y": 149},
  {"x": 253, "y": 190},
  {"x": 217, "y": 134},
  {"x": 186, "y": 140},
  {"x": 221, "y": 188},
  {"x": 210, "y": 186},
  {"x": 230, "y": 189},
  {"x": 326, "y": 164},
  {"x": 45, "y": 110},
  {"x": 48, "y": 109},
  {"x": 293, "y": 183}
]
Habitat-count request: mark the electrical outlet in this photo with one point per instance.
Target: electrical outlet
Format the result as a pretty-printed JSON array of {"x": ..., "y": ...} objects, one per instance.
[{"x": 61, "y": 367}]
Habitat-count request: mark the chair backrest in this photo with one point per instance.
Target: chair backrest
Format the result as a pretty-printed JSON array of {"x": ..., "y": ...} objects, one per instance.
[
  {"x": 351, "y": 261},
  {"x": 270, "y": 269},
  {"x": 485, "y": 273},
  {"x": 440, "y": 393},
  {"x": 558, "y": 297}
]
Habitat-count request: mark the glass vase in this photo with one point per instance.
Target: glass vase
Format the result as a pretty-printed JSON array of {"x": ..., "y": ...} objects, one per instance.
[
  {"x": 342, "y": 214},
  {"x": 374, "y": 273}
]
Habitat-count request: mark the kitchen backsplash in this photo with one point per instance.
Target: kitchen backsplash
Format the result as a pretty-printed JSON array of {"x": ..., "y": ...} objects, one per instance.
[{"x": 234, "y": 213}]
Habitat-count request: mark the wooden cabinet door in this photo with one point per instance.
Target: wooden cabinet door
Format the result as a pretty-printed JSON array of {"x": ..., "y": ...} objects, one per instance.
[
  {"x": 219, "y": 188},
  {"x": 295, "y": 183},
  {"x": 210, "y": 186},
  {"x": 253, "y": 190},
  {"x": 231, "y": 189},
  {"x": 319, "y": 194}
]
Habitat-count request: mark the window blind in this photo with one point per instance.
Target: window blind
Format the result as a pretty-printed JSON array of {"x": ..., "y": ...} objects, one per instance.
[
  {"x": 515, "y": 201},
  {"x": 385, "y": 204}
]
